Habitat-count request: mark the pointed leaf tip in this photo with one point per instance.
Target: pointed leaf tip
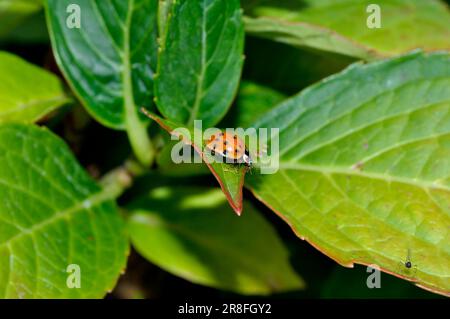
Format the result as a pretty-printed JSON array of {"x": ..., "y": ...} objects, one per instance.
[{"x": 230, "y": 176}]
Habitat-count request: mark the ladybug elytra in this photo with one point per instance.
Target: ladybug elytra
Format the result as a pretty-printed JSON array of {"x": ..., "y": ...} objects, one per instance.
[{"x": 229, "y": 147}]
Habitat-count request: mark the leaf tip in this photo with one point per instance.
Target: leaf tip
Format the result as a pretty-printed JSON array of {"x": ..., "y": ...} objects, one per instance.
[{"x": 238, "y": 210}]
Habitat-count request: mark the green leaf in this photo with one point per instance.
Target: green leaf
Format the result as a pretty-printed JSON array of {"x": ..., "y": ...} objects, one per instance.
[
  {"x": 27, "y": 92},
  {"x": 167, "y": 167},
  {"x": 164, "y": 8},
  {"x": 229, "y": 176},
  {"x": 110, "y": 61},
  {"x": 341, "y": 26},
  {"x": 200, "y": 61},
  {"x": 252, "y": 102},
  {"x": 290, "y": 69},
  {"x": 33, "y": 31},
  {"x": 53, "y": 215},
  {"x": 364, "y": 170},
  {"x": 14, "y": 12},
  {"x": 190, "y": 233}
]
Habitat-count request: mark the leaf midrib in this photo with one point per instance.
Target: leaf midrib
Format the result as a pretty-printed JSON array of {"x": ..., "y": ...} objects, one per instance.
[
  {"x": 126, "y": 71},
  {"x": 333, "y": 120},
  {"x": 201, "y": 77},
  {"x": 34, "y": 103},
  {"x": 86, "y": 204},
  {"x": 345, "y": 170}
]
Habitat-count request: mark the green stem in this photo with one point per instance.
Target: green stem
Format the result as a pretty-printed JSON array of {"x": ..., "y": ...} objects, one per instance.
[
  {"x": 140, "y": 142},
  {"x": 136, "y": 129},
  {"x": 116, "y": 182}
]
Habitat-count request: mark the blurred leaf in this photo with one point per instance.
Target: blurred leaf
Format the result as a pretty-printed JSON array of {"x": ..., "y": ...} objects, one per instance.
[
  {"x": 110, "y": 62},
  {"x": 166, "y": 165},
  {"x": 53, "y": 215},
  {"x": 190, "y": 233},
  {"x": 365, "y": 166},
  {"x": 14, "y": 12},
  {"x": 290, "y": 69},
  {"x": 352, "y": 283},
  {"x": 32, "y": 31},
  {"x": 200, "y": 61},
  {"x": 341, "y": 26},
  {"x": 252, "y": 102},
  {"x": 27, "y": 92},
  {"x": 229, "y": 176}
]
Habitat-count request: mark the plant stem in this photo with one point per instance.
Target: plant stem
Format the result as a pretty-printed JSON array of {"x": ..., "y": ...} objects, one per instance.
[
  {"x": 116, "y": 182},
  {"x": 140, "y": 142},
  {"x": 136, "y": 129}
]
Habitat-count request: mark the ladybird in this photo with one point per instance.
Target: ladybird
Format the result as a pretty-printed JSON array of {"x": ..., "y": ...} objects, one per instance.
[{"x": 229, "y": 147}]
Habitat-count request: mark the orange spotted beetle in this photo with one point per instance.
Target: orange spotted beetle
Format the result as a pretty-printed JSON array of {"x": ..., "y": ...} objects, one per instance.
[{"x": 230, "y": 147}]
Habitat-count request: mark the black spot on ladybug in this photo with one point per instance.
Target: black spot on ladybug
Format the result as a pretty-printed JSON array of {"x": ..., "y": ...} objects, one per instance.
[
  {"x": 235, "y": 137},
  {"x": 225, "y": 142},
  {"x": 224, "y": 152}
]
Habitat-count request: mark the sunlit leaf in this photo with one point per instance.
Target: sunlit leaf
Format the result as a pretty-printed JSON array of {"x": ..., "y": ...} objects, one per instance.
[
  {"x": 27, "y": 92},
  {"x": 341, "y": 26},
  {"x": 364, "y": 170},
  {"x": 53, "y": 215}
]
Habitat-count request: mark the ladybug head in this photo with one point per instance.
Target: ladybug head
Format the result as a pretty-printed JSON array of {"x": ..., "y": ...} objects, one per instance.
[{"x": 247, "y": 158}]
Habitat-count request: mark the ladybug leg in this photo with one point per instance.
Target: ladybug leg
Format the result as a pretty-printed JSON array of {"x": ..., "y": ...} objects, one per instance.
[
  {"x": 247, "y": 158},
  {"x": 240, "y": 162}
]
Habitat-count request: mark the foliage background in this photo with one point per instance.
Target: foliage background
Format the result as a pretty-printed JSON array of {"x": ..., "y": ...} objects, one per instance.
[{"x": 100, "y": 150}]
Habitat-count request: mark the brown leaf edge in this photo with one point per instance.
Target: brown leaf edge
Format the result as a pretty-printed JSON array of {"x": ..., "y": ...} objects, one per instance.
[{"x": 236, "y": 204}]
